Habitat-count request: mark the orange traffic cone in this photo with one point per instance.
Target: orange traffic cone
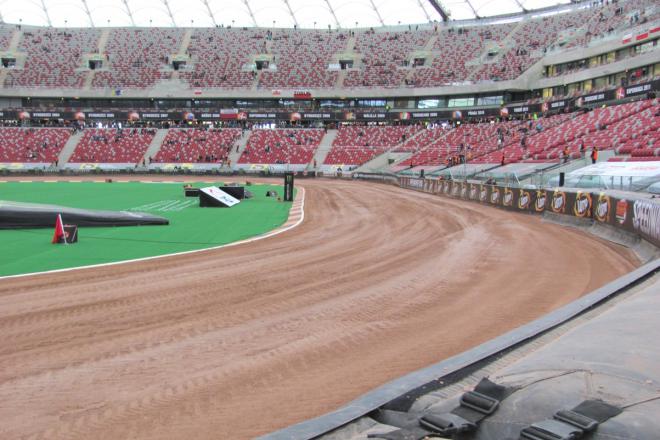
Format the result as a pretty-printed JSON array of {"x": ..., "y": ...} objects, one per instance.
[{"x": 58, "y": 236}]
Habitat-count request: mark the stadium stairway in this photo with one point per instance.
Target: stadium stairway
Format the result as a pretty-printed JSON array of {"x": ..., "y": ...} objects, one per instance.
[
  {"x": 430, "y": 56},
  {"x": 257, "y": 77},
  {"x": 505, "y": 45},
  {"x": 428, "y": 47},
  {"x": 103, "y": 40},
  {"x": 13, "y": 48},
  {"x": 350, "y": 44},
  {"x": 68, "y": 149},
  {"x": 341, "y": 76},
  {"x": 235, "y": 154},
  {"x": 405, "y": 156},
  {"x": 350, "y": 50},
  {"x": 15, "y": 39},
  {"x": 382, "y": 161},
  {"x": 183, "y": 48},
  {"x": 323, "y": 149},
  {"x": 155, "y": 144}
]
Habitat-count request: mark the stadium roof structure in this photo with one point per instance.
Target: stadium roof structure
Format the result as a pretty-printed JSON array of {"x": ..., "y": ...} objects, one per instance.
[{"x": 260, "y": 13}]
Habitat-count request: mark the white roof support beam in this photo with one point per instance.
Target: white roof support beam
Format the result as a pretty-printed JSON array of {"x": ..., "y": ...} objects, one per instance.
[
  {"x": 332, "y": 11},
  {"x": 440, "y": 9},
  {"x": 249, "y": 8},
  {"x": 293, "y": 16},
  {"x": 521, "y": 6},
  {"x": 169, "y": 12},
  {"x": 373, "y": 6},
  {"x": 210, "y": 12},
  {"x": 43, "y": 6},
  {"x": 474, "y": 11},
  {"x": 129, "y": 12},
  {"x": 421, "y": 5},
  {"x": 89, "y": 14}
]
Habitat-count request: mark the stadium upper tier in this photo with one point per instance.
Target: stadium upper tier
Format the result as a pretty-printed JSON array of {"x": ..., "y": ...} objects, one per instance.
[{"x": 257, "y": 58}]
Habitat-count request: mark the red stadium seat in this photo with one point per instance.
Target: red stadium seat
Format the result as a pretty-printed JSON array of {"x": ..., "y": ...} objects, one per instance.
[
  {"x": 32, "y": 144},
  {"x": 112, "y": 146},
  {"x": 282, "y": 146},
  {"x": 356, "y": 145},
  {"x": 195, "y": 146}
]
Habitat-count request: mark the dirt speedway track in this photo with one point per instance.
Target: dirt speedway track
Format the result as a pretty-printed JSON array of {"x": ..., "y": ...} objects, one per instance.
[{"x": 233, "y": 343}]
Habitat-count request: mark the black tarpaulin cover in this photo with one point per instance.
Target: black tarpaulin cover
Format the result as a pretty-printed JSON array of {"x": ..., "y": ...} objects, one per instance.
[{"x": 14, "y": 215}]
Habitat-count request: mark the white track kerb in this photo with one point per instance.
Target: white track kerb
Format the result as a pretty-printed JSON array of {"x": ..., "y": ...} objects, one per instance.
[{"x": 296, "y": 217}]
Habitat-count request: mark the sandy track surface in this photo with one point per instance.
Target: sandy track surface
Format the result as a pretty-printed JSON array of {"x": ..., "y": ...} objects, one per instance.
[{"x": 233, "y": 343}]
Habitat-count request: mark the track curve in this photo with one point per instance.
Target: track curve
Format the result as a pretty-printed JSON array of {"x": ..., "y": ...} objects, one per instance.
[{"x": 237, "y": 342}]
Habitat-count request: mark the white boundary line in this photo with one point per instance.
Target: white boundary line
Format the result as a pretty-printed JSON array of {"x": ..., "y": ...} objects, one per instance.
[{"x": 281, "y": 229}]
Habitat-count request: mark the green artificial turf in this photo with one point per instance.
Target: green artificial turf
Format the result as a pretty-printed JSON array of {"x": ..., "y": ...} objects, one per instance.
[{"x": 191, "y": 227}]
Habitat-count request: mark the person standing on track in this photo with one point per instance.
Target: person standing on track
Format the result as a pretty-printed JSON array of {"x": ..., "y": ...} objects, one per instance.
[{"x": 594, "y": 155}]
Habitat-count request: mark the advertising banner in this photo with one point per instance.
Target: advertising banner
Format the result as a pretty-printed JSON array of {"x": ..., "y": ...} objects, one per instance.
[
  {"x": 646, "y": 220},
  {"x": 619, "y": 93},
  {"x": 582, "y": 204},
  {"x": 602, "y": 208},
  {"x": 637, "y": 216}
]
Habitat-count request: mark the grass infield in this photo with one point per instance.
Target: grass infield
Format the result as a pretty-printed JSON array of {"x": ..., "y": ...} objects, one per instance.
[{"x": 190, "y": 228}]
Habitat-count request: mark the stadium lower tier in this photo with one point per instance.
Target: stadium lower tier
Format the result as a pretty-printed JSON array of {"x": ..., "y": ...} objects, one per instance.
[{"x": 629, "y": 131}]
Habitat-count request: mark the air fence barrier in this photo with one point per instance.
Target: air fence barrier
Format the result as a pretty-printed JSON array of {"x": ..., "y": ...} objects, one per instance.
[{"x": 634, "y": 215}]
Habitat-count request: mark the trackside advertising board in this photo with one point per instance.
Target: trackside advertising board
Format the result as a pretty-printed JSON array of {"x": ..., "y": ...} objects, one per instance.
[{"x": 636, "y": 215}]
